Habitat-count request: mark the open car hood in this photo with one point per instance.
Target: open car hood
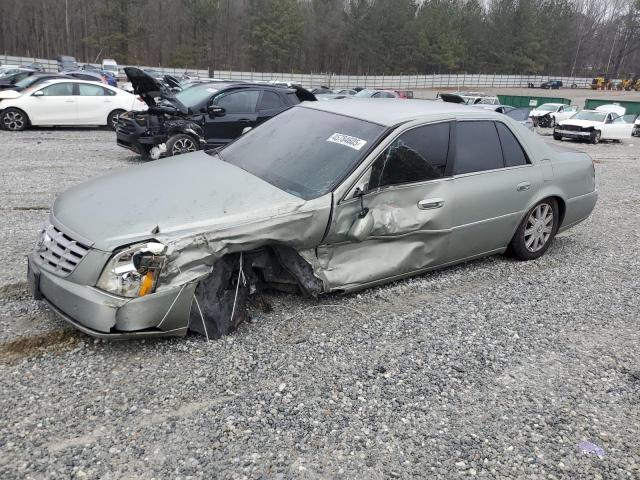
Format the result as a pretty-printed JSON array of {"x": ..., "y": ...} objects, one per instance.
[
  {"x": 149, "y": 89},
  {"x": 452, "y": 98}
]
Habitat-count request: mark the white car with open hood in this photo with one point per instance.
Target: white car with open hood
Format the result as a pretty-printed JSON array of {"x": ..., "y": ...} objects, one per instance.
[
  {"x": 65, "y": 102},
  {"x": 607, "y": 122}
]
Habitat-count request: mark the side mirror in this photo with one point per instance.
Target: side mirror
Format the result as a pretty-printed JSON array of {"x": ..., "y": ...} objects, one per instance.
[
  {"x": 39, "y": 93},
  {"x": 216, "y": 111},
  {"x": 362, "y": 227}
]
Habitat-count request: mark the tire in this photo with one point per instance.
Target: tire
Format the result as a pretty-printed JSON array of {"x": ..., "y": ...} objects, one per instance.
[
  {"x": 14, "y": 120},
  {"x": 595, "y": 137},
  {"x": 552, "y": 122},
  {"x": 181, "y": 143},
  {"x": 536, "y": 231},
  {"x": 112, "y": 119},
  {"x": 557, "y": 136}
]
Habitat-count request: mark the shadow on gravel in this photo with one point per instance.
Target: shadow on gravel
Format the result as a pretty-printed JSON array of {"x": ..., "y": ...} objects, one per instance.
[{"x": 56, "y": 341}]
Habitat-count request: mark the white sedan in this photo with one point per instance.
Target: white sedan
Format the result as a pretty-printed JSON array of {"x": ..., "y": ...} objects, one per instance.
[
  {"x": 65, "y": 103},
  {"x": 607, "y": 122},
  {"x": 550, "y": 114}
]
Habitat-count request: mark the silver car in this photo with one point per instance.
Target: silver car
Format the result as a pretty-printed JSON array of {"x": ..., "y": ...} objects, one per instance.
[{"x": 325, "y": 197}]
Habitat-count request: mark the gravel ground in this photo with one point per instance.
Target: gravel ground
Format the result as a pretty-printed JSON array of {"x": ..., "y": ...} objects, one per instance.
[{"x": 494, "y": 368}]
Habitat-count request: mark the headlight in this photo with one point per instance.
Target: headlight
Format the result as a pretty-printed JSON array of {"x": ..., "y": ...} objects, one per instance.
[{"x": 134, "y": 271}]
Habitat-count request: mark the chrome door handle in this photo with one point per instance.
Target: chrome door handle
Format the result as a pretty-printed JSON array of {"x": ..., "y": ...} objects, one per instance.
[
  {"x": 524, "y": 186},
  {"x": 430, "y": 204}
]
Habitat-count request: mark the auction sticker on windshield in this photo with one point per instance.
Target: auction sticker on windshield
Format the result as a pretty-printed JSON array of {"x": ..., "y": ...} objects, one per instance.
[{"x": 347, "y": 141}]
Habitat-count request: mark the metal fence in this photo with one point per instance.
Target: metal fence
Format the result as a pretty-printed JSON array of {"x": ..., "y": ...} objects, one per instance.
[
  {"x": 404, "y": 82},
  {"x": 52, "y": 66}
]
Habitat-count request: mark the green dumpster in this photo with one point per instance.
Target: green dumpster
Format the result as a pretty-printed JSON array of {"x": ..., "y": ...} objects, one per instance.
[
  {"x": 593, "y": 103},
  {"x": 526, "y": 101}
]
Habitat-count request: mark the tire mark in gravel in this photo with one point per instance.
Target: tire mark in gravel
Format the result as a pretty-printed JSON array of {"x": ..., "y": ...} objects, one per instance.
[
  {"x": 55, "y": 341},
  {"x": 140, "y": 422}
]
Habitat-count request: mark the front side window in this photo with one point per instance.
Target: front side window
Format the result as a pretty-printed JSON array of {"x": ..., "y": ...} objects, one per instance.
[
  {"x": 244, "y": 101},
  {"x": 415, "y": 156},
  {"x": 477, "y": 147},
  {"x": 511, "y": 149},
  {"x": 58, "y": 90}
]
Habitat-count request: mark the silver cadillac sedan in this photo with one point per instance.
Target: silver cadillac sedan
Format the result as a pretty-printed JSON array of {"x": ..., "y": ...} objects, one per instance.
[{"x": 325, "y": 197}]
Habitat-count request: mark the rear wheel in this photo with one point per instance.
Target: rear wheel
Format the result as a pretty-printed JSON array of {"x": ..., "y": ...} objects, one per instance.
[
  {"x": 595, "y": 137},
  {"x": 536, "y": 231},
  {"x": 112, "y": 119},
  {"x": 14, "y": 120},
  {"x": 181, "y": 143}
]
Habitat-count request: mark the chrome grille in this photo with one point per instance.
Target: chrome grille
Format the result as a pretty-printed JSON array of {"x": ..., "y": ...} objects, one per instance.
[{"x": 59, "y": 252}]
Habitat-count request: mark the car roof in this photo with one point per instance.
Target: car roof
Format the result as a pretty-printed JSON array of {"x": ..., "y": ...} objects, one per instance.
[
  {"x": 391, "y": 111},
  {"x": 74, "y": 80}
]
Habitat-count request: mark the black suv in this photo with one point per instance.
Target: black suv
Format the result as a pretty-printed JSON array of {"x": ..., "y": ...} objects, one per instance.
[{"x": 205, "y": 115}]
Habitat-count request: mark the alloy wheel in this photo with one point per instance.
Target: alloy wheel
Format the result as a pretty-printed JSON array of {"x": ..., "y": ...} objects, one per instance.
[
  {"x": 183, "y": 145},
  {"x": 13, "y": 121},
  {"x": 539, "y": 227}
]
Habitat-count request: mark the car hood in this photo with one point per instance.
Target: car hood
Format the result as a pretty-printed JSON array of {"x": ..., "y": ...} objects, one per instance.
[
  {"x": 9, "y": 94},
  {"x": 581, "y": 123},
  {"x": 168, "y": 198},
  {"x": 539, "y": 113},
  {"x": 149, "y": 89}
]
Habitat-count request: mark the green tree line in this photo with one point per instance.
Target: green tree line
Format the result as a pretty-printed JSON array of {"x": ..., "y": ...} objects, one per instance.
[{"x": 556, "y": 37}]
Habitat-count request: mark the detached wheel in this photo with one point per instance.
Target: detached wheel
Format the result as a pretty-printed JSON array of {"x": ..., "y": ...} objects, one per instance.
[
  {"x": 112, "y": 119},
  {"x": 14, "y": 120},
  {"x": 536, "y": 231},
  {"x": 595, "y": 137},
  {"x": 181, "y": 143}
]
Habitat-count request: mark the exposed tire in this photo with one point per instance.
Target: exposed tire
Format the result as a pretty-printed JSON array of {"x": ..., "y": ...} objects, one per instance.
[
  {"x": 536, "y": 231},
  {"x": 595, "y": 137},
  {"x": 552, "y": 122},
  {"x": 220, "y": 300},
  {"x": 112, "y": 119},
  {"x": 181, "y": 143},
  {"x": 557, "y": 136},
  {"x": 14, "y": 120}
]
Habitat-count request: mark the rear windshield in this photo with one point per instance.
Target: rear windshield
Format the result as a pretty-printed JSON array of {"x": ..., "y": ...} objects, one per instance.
[{"x": 303, "y": 151}]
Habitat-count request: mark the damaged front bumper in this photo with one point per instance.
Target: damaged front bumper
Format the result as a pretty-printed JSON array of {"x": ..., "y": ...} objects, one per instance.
[{"x": 103, "y": 315}]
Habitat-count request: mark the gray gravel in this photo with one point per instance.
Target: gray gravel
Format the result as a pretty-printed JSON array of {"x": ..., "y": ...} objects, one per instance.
[{"x": 494, "y": 369}]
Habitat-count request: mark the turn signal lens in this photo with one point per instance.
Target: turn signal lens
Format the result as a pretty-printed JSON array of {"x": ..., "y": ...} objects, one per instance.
[{"x": 146, "y": 284}]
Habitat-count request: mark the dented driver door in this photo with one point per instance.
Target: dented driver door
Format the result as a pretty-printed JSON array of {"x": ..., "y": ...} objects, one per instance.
[{"x": 397, "y": 222}]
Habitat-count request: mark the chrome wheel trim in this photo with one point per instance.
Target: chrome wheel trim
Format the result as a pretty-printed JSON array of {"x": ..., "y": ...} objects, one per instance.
[
  {"x": 539, "y": 227},
  {"x": 184, "y": 145},
  {"x": 13, "y": 120}
]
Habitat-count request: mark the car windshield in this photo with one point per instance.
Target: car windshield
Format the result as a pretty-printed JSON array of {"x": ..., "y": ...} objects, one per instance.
[
  {"x": 547, "y": 108},
  {"x": 304, "y": 151},
  {"x": 591, "y": 116},
  {"x": 365, "y": 93},
  {"x": 28, "y": 81},
  {"x": 192, "y": 96}
]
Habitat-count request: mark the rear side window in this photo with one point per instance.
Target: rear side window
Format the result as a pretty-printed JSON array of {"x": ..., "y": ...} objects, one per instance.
[
  {"x": 270, "y": 100},
  {"x": 87, "y": 90},
  {"x": 477, "y": 147},
  {"x": 415, "y": 156},
  {"x": 511, "y": 149}
]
